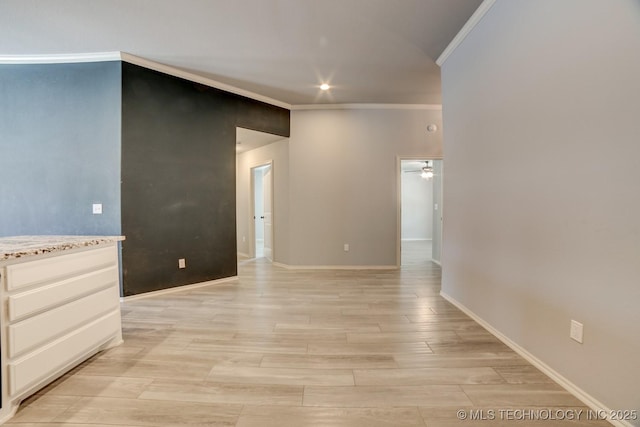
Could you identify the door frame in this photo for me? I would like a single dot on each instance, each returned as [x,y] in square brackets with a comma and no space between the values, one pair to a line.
[399,160]
[252,208]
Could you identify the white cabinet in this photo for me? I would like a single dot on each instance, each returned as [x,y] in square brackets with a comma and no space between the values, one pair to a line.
[58,310]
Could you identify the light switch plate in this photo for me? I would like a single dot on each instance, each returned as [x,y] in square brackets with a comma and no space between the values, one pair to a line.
[577,331]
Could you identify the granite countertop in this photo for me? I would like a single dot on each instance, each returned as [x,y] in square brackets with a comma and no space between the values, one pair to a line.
[24,246]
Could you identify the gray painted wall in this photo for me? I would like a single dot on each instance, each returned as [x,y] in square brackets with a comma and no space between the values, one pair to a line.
[541,192]
[60,145]
[343,182]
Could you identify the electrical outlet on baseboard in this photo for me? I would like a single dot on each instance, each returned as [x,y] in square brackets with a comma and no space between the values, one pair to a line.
[182,263]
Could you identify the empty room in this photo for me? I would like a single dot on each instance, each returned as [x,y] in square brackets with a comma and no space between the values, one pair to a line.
[302,213]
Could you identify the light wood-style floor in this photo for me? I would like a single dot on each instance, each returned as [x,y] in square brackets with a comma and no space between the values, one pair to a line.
[300,348]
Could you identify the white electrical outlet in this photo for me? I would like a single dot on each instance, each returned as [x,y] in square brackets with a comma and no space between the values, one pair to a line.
[244,239]
[97,208]
[346,247]
[182,263]
[577,331]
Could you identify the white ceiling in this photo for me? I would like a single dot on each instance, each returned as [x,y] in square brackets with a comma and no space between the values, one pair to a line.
[247,139]
[370,51]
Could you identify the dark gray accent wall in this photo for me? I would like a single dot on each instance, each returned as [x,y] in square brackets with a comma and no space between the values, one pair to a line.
[59,148]
[178,177]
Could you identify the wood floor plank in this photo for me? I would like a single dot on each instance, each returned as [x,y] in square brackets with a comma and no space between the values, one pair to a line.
[220,393]
[519,395]
[139,412]
[524,374]
[138,368]
[388,348]
[391,337]
[92,385]
[385,396]
[329,326]
[339,361]
[254,346]
[469,360]
[294,336]
[285,376]
[269,416]
[209,358]
[426,376]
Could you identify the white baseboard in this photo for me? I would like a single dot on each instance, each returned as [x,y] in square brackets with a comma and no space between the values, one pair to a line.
[242,254]
[416,240]
[336,267]
[178,289]
[576,391]
[435,261]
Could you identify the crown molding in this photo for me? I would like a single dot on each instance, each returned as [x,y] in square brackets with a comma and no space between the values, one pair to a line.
[60,58]
[435,107]
[465,30]
[176,72]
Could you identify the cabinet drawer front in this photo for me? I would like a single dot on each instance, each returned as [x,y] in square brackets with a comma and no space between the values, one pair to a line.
[33,301]
[43,328]
[48,361]
[59,267]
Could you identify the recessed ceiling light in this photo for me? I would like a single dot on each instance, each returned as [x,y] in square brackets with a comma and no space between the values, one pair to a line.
[324,86]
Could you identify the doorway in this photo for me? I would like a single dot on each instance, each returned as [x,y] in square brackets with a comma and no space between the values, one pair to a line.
[262,210]
[419,211]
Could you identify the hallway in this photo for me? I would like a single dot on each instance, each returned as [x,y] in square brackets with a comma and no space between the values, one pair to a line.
[294,348]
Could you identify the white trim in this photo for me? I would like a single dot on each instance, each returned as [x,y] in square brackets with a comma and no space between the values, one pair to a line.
[60,58]
[436,107]
[576,391]
[435,261]
[176,289]
[335,267]
[242,254]
[465,30]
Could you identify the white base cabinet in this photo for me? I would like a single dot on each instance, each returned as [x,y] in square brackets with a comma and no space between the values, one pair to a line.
[58,309]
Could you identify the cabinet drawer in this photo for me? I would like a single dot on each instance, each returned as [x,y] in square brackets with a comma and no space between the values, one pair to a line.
[43,328]
[33,301]
[48,361]
[58,267]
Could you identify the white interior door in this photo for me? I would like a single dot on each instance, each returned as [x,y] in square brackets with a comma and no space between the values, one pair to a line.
[267,185]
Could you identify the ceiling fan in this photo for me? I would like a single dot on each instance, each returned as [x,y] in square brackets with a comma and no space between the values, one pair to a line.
[425,171]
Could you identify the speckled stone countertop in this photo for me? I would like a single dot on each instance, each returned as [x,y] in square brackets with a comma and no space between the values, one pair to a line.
[25,246]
